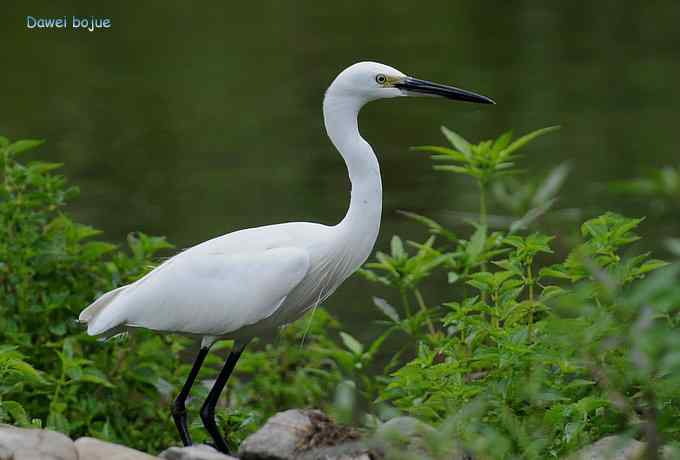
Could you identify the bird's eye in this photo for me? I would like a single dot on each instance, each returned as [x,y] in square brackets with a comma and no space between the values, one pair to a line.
[381,79]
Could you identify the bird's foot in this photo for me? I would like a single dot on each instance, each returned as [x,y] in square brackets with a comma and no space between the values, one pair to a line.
[224,449]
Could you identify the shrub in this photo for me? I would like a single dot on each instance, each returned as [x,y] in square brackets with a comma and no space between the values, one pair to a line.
[533,353]
[532,359]
[50,269]
[53,375]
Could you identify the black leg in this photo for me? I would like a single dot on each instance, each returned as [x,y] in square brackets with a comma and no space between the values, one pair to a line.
[179,411]
[208,408]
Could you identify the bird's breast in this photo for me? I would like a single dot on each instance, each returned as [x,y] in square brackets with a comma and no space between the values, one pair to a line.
[330,266]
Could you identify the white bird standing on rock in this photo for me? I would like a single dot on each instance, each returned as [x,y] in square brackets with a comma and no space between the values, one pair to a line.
[250,282]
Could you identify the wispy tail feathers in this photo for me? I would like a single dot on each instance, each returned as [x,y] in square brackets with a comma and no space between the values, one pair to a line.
[98,322]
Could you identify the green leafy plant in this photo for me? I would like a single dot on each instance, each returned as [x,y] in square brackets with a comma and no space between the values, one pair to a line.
[663,182]
[537,353]
[50,268]
[485,162]
[55,376]
[533,352]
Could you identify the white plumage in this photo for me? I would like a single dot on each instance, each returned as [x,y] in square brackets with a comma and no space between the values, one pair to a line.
[237,285]
[247,283]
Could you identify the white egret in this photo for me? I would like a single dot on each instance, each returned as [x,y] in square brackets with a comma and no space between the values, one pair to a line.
[250,282]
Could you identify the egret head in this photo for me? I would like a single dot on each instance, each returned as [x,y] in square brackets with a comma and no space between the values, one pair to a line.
[368,81]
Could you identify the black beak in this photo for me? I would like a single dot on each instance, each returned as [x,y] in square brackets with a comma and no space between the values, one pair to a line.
[415,85]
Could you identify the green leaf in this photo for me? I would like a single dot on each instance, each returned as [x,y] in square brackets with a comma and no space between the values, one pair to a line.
[504,165]
[387,309]
[373,277]
[58,328]
[578,383]
[650,265]
[515,241]
[445,153]
[524,140]
[94,375]
[377,343]
[551,185]
[28,372]
[476,244]
[516,313]
[531,215]
[551,291]
[351,343]
[512,265]
[589,404]
[433,226]
[480,286]
[553,273]
[24,145]
[96,249]
[456,140]
[17,412]
[42,167]
[57,422]
[502,141]
[453,169]
[397,248]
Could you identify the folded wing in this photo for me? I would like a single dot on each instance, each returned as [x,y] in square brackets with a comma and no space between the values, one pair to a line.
[203,293]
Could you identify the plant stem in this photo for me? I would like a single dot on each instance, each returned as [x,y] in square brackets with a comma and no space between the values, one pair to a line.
[482,219]
[405,302]
[494,317]
[57,389]
[482,203]
[651,433]
[421,304]
[121,358]
[530,281]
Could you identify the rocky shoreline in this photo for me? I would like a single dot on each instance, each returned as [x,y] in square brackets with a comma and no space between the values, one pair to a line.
[293,434]
[290,435]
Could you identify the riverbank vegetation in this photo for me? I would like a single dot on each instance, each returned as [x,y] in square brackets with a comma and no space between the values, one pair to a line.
[545,342]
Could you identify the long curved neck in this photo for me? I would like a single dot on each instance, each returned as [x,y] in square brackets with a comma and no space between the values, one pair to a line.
[363,217]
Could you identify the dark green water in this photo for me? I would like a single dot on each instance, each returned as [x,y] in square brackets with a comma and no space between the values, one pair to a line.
[193,119]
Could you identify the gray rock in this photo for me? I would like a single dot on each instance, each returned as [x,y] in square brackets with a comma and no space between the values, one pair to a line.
[612,448]
[33,444]
[292,434]
[95,449]
[621,448]
[670,453]
[408,437]
[278,439]
[346,451]
[197,452]
[405,427]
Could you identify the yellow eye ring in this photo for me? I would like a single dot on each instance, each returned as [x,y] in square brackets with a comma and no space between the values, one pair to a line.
[381,79]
